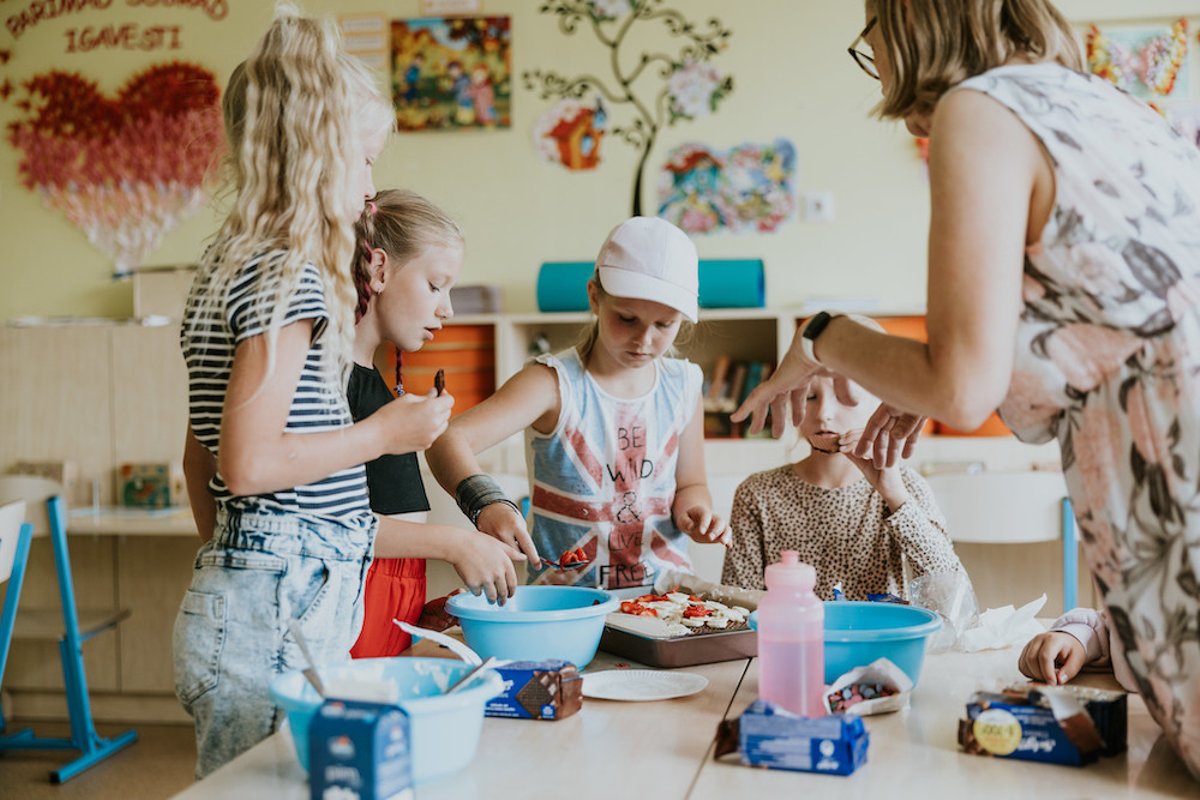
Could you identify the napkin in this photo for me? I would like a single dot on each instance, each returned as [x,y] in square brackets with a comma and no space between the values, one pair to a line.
[1003,627]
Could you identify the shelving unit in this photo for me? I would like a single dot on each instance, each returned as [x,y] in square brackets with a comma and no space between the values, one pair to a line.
[748,334]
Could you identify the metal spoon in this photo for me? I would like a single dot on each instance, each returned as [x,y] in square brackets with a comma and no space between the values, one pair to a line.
[309,672]
[469,678]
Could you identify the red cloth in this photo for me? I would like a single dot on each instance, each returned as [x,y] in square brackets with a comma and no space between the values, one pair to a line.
[395,588]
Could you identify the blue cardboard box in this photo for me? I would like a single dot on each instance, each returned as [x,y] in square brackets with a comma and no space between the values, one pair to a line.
[548,690]
[359,751]
[769,736]
[1069,725]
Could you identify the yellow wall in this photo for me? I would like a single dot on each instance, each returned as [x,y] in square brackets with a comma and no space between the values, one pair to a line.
[792,79]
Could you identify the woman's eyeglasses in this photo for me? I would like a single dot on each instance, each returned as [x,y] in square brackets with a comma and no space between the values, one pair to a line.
[862,53]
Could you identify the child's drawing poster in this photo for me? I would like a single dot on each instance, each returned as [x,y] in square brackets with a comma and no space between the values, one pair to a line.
[1148,62]
[452,73]
[747,188]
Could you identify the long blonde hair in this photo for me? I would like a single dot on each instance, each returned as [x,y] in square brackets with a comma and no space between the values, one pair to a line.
[294,114]
[932,45]
[402,224]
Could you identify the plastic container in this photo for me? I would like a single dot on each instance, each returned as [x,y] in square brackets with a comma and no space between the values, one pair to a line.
[537,623]
[445,728]
[858,633]
[790,638]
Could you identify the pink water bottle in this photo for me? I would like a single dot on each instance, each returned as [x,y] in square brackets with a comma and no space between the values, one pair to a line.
[791,638]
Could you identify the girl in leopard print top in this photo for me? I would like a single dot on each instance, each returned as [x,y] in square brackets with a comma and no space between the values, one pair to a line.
[857,525]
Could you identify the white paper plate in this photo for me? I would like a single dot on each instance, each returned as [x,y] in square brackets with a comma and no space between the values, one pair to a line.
[641,684]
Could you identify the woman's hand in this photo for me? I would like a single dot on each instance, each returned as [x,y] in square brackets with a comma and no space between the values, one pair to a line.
[703,526]
[889,432]
[1053,657]
[502,522]
[789,381]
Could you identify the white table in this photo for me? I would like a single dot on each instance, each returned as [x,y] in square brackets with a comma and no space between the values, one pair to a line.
[118,521]
[663,751]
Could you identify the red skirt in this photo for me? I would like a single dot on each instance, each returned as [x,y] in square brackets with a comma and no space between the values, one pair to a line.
[395,588]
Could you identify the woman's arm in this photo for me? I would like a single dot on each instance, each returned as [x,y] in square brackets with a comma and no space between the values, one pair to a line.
[527,399]
[199,467]
[692,506]
[984,165]
[257,455]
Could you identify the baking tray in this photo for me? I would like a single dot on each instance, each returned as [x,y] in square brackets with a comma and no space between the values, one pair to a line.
[680,651]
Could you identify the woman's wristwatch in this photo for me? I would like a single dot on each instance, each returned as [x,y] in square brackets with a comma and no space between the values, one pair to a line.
[811,330]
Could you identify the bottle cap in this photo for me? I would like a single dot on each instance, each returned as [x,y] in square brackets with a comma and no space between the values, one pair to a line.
[790,573]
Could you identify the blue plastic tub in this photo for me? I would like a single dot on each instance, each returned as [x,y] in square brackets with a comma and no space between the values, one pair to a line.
[537,623]
[857,633]
[445,729]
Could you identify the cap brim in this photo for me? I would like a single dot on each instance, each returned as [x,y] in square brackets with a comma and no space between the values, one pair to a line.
[636,285]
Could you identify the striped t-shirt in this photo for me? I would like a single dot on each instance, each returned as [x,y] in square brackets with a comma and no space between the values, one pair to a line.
[208,338]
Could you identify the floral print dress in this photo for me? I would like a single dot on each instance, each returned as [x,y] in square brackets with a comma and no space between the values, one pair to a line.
[1108,362]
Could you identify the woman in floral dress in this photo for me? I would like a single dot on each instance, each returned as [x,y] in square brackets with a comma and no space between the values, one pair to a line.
[1094,342]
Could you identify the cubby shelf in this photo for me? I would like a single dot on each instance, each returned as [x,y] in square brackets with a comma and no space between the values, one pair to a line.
[757,334]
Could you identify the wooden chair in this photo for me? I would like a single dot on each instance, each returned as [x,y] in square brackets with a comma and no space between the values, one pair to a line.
[46,513]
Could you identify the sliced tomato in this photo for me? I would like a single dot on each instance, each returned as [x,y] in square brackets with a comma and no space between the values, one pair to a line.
[637,609]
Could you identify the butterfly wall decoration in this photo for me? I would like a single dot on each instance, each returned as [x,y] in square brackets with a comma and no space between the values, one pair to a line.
[1144,62]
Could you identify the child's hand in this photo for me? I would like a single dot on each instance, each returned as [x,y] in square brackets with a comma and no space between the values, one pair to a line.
[435,617]
[887,480]
[705,527]
[1053,657]
[485,565]
[503,523]
[411,423]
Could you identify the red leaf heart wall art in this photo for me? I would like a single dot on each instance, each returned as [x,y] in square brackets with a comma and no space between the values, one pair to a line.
[123,170]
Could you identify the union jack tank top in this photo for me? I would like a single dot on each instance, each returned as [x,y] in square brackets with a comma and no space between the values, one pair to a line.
[604,479]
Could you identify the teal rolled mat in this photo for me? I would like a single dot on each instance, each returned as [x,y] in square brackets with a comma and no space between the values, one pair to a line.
[724,283]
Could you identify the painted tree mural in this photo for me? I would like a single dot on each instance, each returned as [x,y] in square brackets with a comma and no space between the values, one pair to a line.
[686,84]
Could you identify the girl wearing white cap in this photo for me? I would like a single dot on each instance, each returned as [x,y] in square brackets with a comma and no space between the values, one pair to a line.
[613,428]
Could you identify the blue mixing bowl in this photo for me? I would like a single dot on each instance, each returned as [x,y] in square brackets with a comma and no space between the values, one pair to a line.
[857,633]
[537,623]
[444,728]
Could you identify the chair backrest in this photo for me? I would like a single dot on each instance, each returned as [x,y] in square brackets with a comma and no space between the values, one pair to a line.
[12,517]
[1001,507]
[35,491]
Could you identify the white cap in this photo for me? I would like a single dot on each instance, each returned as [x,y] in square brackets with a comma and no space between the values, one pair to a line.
[648,258]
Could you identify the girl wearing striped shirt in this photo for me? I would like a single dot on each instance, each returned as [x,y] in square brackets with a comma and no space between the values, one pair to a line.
[272,459]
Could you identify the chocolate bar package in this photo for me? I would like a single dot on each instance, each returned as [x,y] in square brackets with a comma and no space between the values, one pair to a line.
[547,690]
[360,750]
[1072,725]
[768,736]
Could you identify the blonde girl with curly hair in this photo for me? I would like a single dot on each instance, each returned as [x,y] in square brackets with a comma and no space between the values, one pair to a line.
[1063,288]
[272,459]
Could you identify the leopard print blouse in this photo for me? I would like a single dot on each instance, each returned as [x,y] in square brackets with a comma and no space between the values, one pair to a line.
[847,534]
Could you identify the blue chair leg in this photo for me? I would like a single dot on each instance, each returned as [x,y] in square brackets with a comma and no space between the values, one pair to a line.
[1070,557]
[91,746]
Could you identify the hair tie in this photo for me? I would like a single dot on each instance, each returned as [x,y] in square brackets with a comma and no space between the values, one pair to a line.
[366,246]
